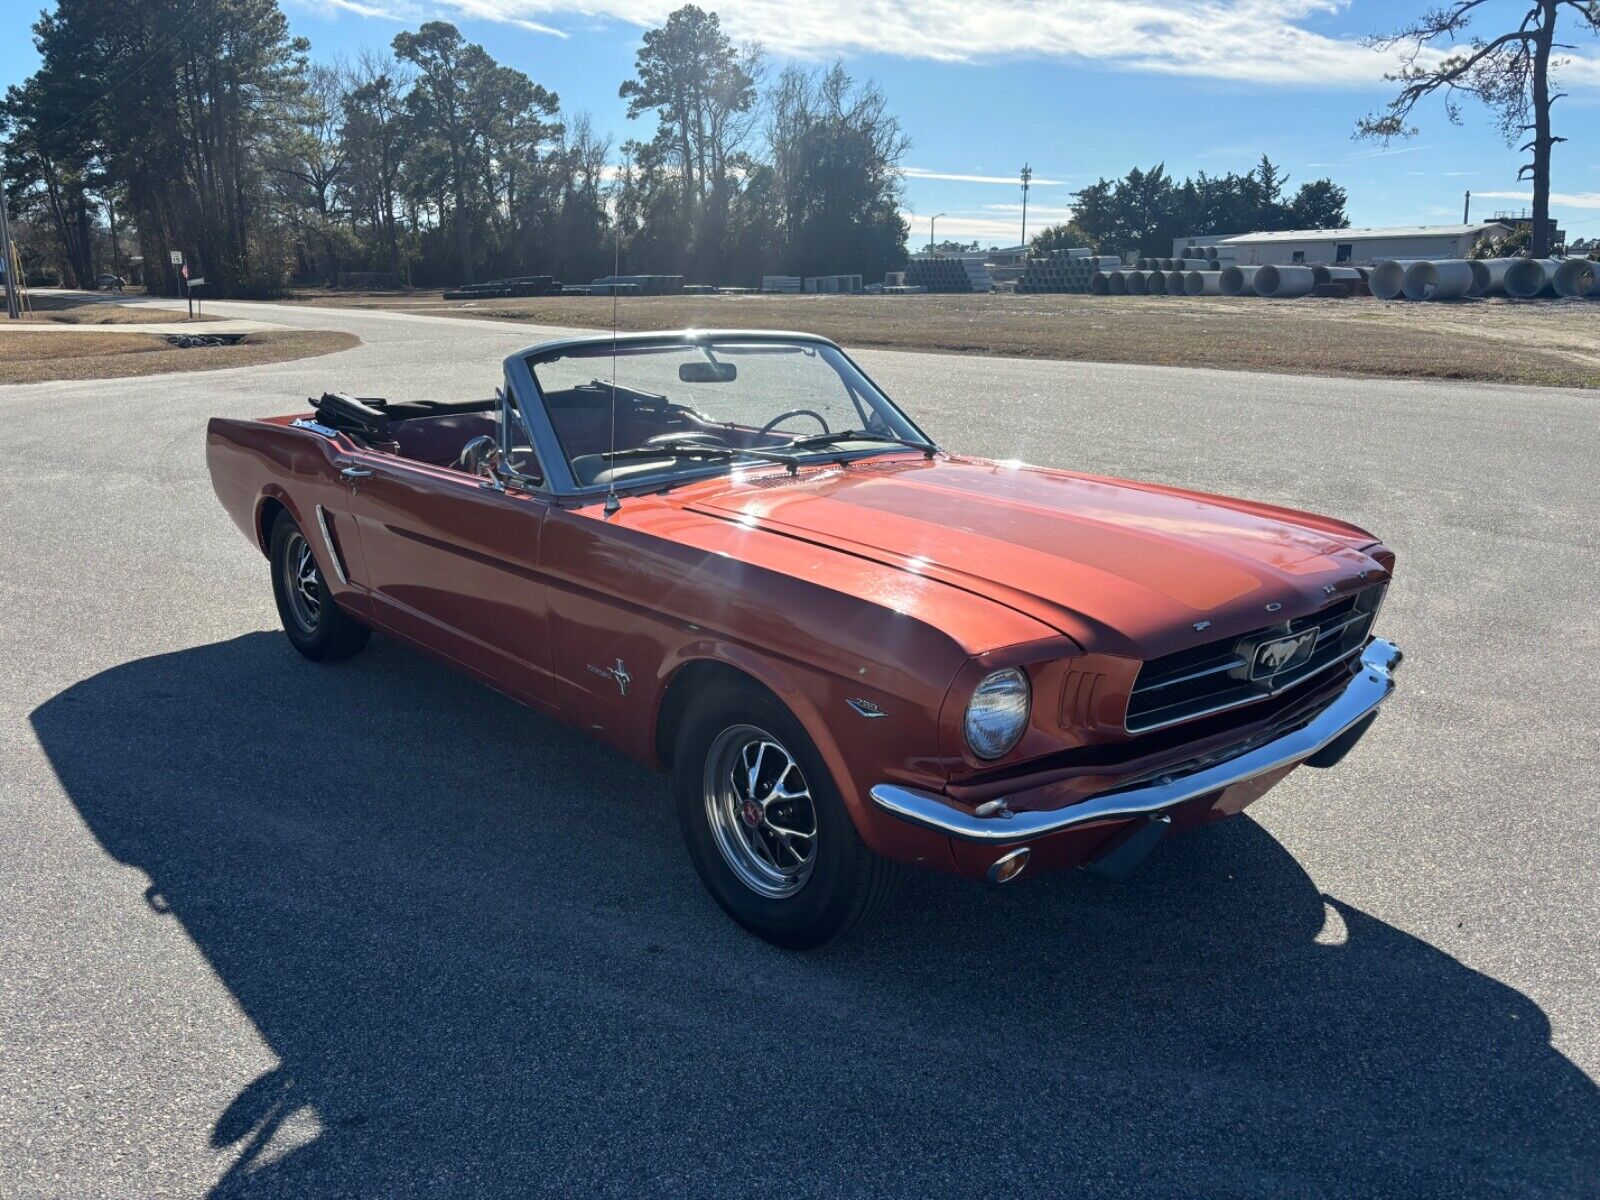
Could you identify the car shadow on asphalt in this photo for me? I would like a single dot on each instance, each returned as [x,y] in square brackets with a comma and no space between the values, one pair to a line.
[475,945]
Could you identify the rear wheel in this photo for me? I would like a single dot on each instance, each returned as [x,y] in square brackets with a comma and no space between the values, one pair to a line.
[316,626]
[764,823]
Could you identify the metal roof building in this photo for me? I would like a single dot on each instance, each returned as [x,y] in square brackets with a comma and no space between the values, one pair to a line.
[1346,245]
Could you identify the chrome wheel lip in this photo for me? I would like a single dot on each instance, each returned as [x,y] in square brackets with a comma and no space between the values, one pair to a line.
[759,807]
[302,583]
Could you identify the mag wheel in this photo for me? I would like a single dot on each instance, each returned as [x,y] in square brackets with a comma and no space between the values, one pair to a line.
[760,811]
[764,823]
[316,626]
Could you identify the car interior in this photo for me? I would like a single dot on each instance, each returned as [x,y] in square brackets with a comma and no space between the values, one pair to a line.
[437,432]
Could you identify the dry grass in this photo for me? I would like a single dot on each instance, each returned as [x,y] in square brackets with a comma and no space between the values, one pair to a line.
[36,357]
[80,310]
[1501,341]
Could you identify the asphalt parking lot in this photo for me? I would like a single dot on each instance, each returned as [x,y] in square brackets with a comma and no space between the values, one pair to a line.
[275,929]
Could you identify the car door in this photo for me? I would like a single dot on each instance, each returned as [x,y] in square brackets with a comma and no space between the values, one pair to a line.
[452,564]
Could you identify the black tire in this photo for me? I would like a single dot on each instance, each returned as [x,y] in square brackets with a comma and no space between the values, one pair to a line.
[845,883]
[315,625]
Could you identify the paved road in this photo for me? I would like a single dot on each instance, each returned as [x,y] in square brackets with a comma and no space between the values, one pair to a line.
[273,929]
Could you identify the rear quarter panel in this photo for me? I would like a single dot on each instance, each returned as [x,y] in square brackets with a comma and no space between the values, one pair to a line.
[256,464]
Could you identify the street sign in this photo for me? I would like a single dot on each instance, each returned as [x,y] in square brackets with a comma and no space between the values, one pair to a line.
[197,281]
[177,258]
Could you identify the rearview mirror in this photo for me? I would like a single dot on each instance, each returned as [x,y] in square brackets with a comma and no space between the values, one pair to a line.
[708,372]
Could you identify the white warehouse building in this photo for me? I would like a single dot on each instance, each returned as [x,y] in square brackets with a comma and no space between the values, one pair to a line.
[1333,246]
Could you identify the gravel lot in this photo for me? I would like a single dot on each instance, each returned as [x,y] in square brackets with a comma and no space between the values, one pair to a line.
[273,929]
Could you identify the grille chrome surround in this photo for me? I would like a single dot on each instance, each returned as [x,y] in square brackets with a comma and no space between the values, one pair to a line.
[1214,677]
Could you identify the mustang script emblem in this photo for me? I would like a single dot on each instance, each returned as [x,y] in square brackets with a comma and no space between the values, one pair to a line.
[618,673]
[1282,653]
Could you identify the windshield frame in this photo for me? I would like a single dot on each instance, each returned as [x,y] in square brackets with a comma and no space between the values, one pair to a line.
[519,369]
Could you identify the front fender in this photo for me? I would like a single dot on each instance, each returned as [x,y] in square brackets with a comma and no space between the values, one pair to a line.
[857,751]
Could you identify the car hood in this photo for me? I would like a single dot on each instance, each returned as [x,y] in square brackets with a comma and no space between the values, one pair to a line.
[1122,568]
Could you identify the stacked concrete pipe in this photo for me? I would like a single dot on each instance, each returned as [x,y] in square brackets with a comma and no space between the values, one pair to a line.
[1446,279]
[1117,283]
[1530,277]
[1202,283]
[1284,282]
[1238,281]
[1577,278]
[1156,283]
[1137,282]
[1100,284]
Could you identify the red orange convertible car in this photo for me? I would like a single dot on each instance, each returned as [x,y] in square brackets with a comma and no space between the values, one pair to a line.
[731,555]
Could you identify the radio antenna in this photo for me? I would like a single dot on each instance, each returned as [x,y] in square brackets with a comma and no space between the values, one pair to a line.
[612,503]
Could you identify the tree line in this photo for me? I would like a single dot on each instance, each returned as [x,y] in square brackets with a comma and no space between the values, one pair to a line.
[204,126]
[1146,210]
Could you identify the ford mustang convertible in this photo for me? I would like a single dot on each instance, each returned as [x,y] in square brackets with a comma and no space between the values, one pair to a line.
[731,556]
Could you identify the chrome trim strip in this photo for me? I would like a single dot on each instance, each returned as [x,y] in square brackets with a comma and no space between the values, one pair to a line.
[1364,693]
[333,551]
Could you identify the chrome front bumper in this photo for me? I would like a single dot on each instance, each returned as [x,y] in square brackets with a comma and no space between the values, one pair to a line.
[1359,700]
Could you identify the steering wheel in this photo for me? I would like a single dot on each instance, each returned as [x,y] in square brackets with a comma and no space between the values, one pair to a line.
[686,435]
[793,412]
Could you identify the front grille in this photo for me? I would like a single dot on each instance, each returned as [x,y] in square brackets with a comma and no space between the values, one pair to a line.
[1213,677]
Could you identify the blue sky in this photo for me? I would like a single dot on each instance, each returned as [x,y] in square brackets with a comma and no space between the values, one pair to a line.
[1077,88]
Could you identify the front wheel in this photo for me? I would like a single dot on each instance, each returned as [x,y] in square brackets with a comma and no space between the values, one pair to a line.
[317,627]
[765,826]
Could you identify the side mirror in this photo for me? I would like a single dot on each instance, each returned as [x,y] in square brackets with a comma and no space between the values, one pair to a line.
[707,372]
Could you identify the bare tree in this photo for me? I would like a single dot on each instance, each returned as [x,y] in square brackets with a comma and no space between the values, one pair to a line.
[1509,72]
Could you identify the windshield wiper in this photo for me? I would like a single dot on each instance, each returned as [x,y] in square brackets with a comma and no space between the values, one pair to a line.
[705,453]
[817,440]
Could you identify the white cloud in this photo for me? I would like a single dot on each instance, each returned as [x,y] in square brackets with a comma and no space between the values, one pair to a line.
[1256,41]
[1558,199]
[923,173]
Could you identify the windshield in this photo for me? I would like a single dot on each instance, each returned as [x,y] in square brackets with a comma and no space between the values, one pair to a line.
[686,406]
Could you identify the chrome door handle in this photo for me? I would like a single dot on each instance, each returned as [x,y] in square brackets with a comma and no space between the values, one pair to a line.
[355,473]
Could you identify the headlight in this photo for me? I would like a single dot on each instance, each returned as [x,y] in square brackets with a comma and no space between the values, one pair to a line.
[998,712]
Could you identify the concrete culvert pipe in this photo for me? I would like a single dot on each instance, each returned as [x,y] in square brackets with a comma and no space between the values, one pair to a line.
[1577,277]
[1136,283]
[1202,283]
[1326,275]
[1099,284]
[1155,283]
[1117,283]
[1237,281]
[1530,277]
[1284,282]
[1446,279]
[1489,275]
[1388,280]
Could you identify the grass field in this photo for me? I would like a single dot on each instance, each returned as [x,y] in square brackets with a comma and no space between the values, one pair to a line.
[36,357]
[1503,341]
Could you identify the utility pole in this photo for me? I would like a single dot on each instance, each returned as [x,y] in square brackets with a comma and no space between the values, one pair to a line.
[12,310]
[931,221]
[1027,176]
[1466,212]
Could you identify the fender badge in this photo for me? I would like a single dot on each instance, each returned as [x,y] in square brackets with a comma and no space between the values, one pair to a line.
[867,708]
[1274,606]
[618,674]
[1201,626]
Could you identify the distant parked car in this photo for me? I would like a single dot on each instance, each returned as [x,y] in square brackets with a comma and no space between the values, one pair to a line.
[110,283]
[852,648]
